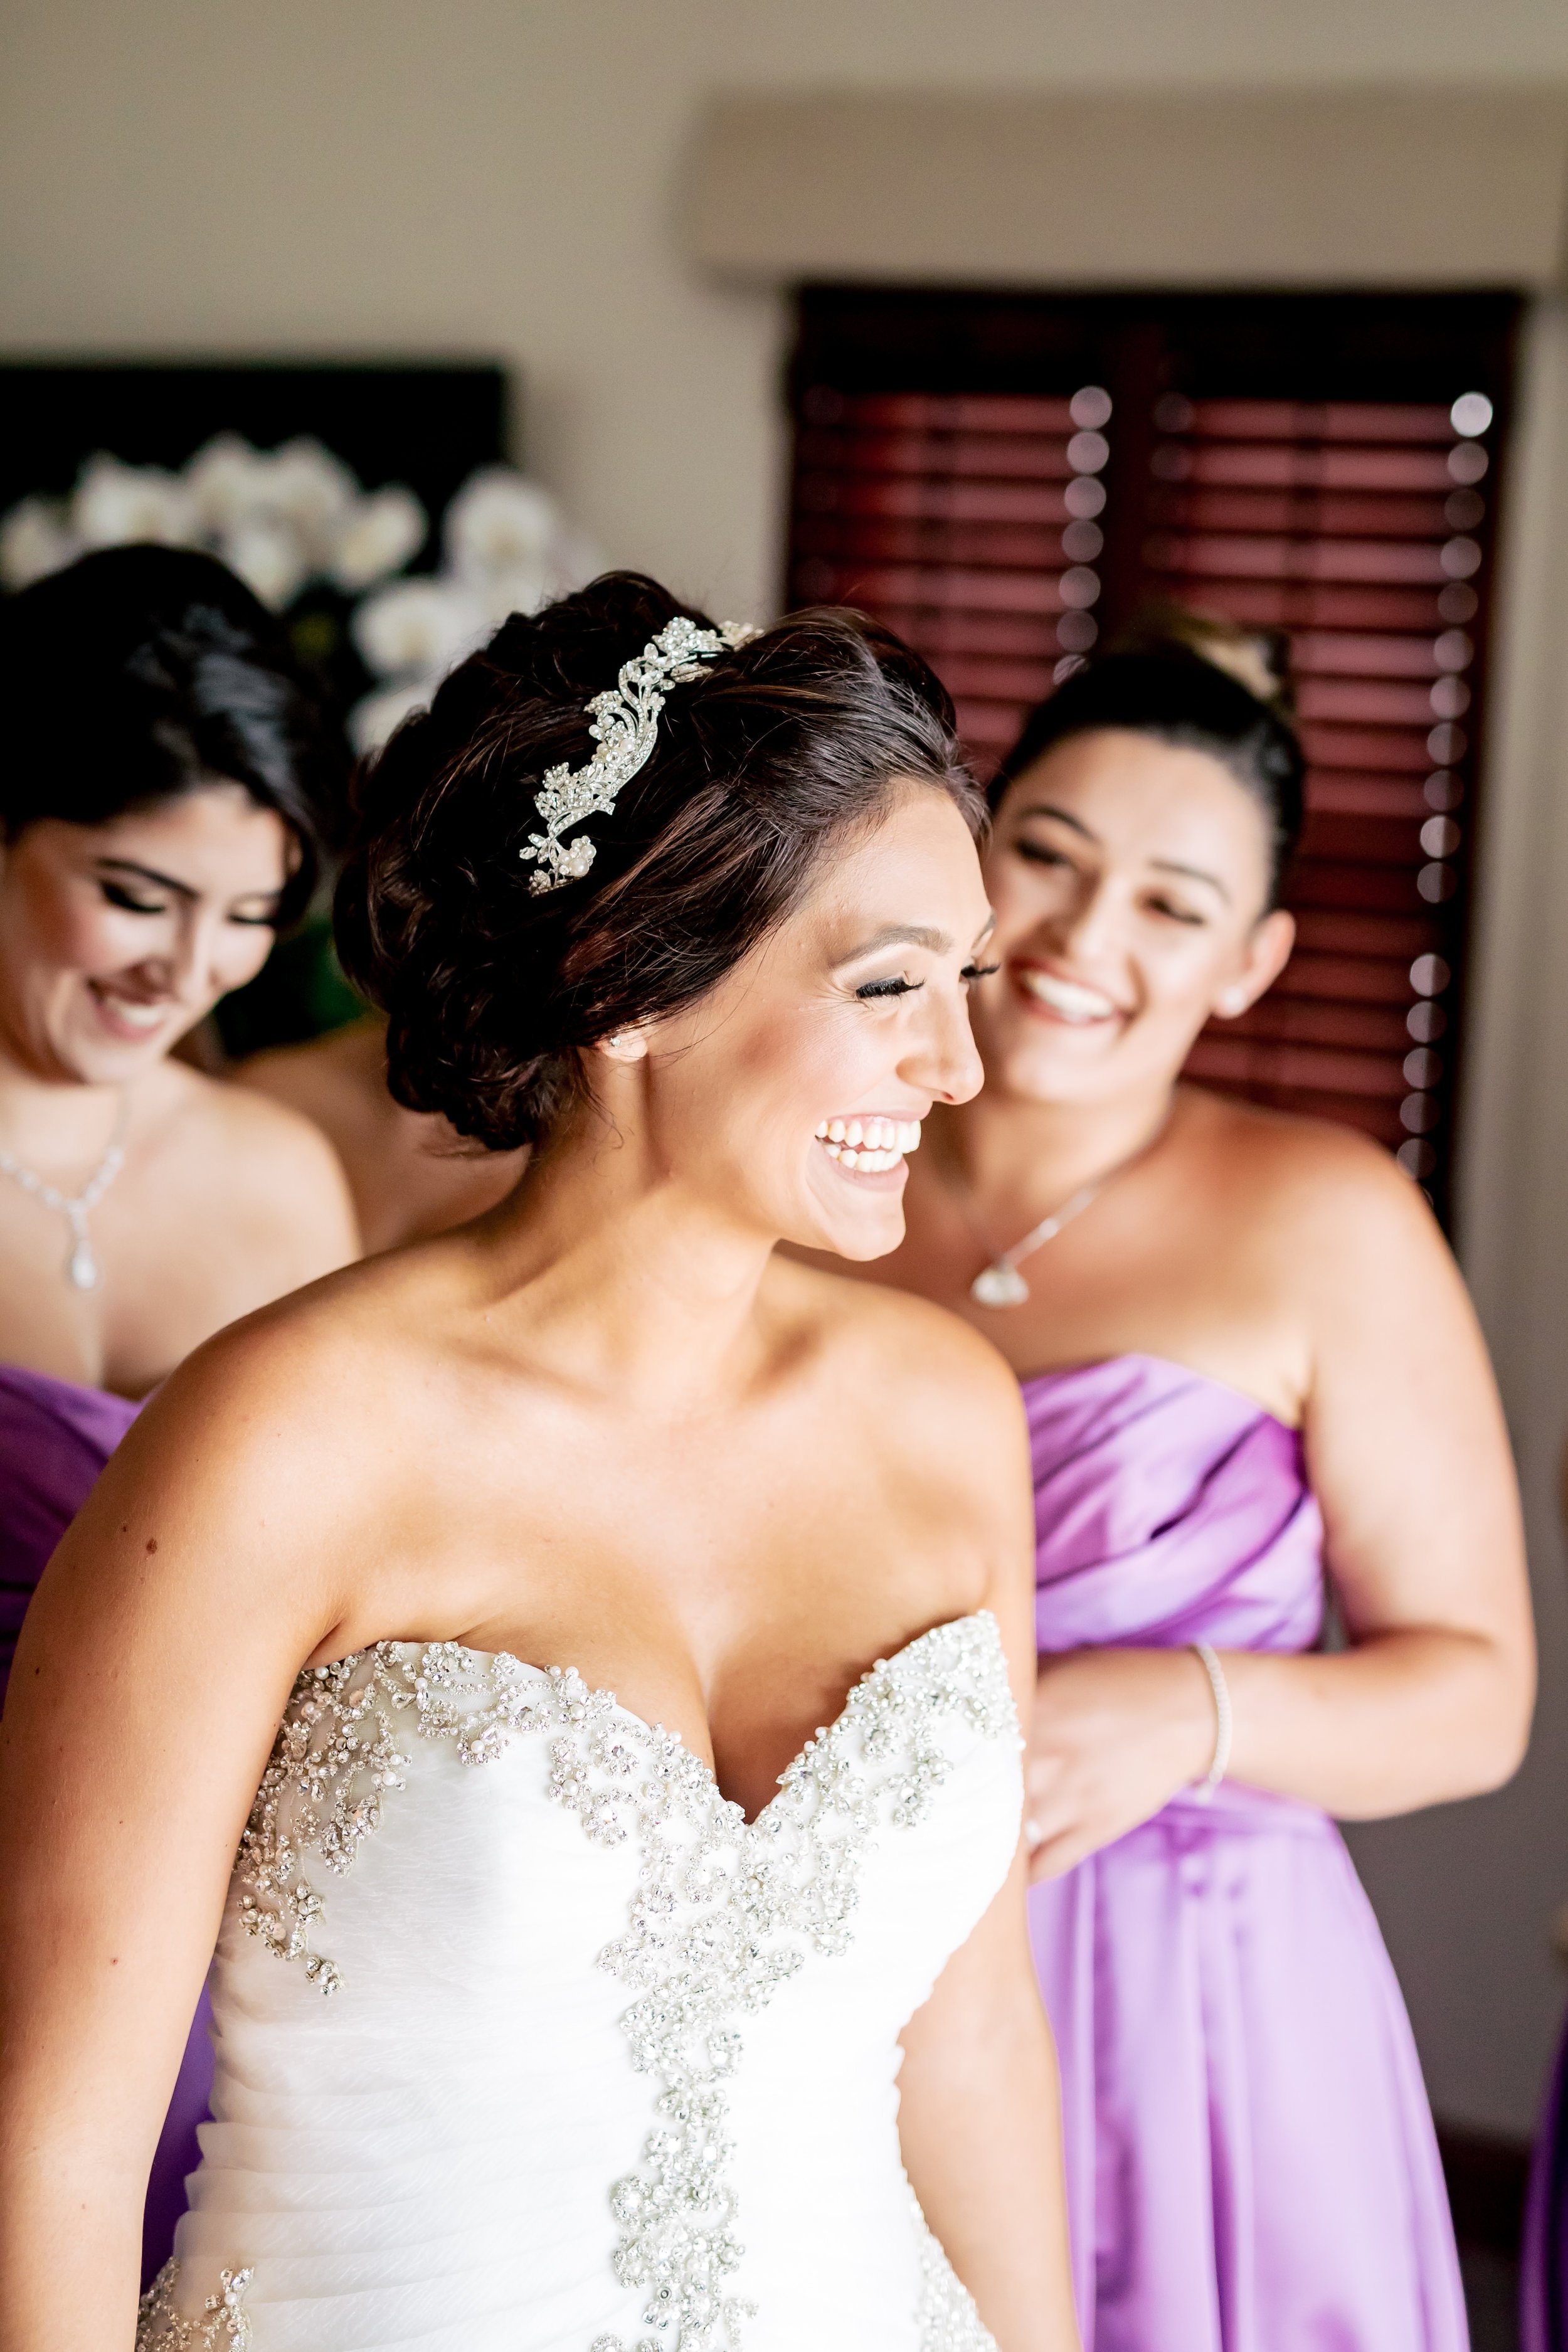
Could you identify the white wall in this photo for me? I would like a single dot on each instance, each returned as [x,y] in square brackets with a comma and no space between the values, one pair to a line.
[502,178]
[1467,1894]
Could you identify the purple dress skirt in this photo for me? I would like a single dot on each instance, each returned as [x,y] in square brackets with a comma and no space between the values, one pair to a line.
[1543,2269]
[55,1438]
[1250,2159]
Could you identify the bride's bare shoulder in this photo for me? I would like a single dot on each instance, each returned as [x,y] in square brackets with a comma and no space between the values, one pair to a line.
[923,1369]
[319,1374]
[269,1475]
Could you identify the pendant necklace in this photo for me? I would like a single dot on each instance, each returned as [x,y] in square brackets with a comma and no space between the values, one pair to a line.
[1000,1284]
[83,1270]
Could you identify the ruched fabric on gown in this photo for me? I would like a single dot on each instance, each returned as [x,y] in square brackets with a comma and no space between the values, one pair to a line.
[1251,2162]
[528,2043]
[55,1438]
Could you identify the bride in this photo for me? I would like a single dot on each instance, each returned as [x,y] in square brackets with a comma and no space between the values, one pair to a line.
[630,1897]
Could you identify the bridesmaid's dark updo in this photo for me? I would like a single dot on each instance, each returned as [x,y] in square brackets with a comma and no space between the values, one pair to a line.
[138,675]
[493,991]
[1183,698]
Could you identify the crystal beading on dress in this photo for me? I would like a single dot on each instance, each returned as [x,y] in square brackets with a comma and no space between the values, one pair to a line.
[724,1911]
[222,2321]
[623,724]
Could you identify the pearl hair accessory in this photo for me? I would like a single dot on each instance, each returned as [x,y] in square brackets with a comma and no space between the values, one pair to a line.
[623,722]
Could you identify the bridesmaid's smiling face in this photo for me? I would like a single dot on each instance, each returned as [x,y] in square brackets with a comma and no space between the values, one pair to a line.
[1131,879]
[116,939]
[789,1095]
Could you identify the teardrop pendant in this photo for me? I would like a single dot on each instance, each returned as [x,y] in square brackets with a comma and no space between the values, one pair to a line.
[81,1266]
[999,1286]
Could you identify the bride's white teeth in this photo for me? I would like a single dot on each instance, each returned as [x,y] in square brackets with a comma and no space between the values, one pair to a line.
[871,1145]
[1067,998]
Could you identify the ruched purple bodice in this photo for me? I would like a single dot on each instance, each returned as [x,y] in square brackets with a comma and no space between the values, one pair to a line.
[1169,1509]
[1251,2163]
[55,1438]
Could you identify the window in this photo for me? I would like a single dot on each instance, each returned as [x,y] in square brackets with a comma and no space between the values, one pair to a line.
[1008,481]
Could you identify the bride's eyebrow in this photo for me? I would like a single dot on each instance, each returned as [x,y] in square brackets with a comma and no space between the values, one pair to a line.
[900,935]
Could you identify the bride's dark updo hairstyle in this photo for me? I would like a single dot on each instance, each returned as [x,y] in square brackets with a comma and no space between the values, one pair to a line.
[1179,696]
[493,991]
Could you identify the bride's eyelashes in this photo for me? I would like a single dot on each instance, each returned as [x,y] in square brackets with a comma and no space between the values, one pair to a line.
[871,990]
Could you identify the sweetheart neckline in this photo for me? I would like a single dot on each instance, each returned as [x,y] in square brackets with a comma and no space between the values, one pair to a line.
[878,1666]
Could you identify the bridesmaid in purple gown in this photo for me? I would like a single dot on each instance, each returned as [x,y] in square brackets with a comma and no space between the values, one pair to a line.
[55,1438]
[156,825]
[1543,2270]
[1250,1373]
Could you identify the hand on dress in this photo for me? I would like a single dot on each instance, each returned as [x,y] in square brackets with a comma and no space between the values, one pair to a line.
[1116,1734]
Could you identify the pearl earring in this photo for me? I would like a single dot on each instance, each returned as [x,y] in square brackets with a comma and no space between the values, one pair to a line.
[1233,1000]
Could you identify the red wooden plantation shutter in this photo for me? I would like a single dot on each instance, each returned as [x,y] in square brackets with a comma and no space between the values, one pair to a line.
[1007,483]
[1351,525]
[968,524]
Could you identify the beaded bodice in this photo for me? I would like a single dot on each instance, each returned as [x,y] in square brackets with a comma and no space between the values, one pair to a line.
[472,1886]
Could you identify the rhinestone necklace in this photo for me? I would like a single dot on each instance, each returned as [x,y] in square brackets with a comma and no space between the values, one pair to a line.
[83,1270]
[1000,1284]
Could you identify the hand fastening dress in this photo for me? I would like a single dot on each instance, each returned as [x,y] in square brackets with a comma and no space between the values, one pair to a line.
[528,2041]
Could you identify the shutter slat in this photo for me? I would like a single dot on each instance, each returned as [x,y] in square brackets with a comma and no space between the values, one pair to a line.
[974,521]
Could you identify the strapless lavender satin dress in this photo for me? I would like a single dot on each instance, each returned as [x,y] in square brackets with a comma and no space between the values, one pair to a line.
[1251,2162]
[55,1438]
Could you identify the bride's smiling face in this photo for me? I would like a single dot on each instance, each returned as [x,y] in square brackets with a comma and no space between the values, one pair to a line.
[790,1095]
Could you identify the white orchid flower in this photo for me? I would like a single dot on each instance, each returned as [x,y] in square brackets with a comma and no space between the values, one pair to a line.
[522,588]
[227,480]
[34,542]
[113,504]
[377,537]
[375,717]
[500,522]
[418,627]
[269,557]
[316,493]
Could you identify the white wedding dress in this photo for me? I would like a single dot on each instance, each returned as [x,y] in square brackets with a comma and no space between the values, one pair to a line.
[528,2043]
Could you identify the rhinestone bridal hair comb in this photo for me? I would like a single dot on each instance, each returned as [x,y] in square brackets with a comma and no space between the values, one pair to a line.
[623,722]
